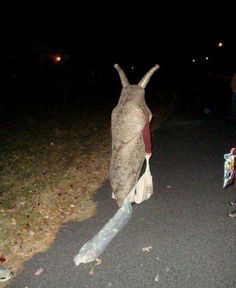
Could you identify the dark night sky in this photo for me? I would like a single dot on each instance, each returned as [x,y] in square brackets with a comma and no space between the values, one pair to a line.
[97,36]
[101,36]
[133,36]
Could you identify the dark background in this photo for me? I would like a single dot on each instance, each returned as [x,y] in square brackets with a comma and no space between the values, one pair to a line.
[91,40]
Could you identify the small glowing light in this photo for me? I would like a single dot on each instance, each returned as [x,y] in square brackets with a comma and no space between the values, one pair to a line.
[220,44]
[58,58]
[207,58]
[193,60]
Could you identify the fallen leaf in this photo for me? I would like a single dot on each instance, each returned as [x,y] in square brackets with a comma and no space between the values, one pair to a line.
[13,221]
[31,233]
[2,259]
[147,249]
[91,272]
[157,278]
[38,272]
[99,261]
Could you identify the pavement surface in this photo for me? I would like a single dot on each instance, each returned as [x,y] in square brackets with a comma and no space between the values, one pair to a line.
[191,240]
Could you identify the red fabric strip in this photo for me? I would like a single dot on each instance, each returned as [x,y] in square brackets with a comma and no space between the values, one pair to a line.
[147,138]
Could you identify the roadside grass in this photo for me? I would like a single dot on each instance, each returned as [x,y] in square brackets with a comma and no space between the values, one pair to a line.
[50,167]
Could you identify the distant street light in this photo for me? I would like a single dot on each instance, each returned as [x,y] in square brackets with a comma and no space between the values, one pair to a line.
[58,58]
[193,60]
[220,44]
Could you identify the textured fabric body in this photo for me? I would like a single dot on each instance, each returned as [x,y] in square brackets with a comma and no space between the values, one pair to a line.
[128,151]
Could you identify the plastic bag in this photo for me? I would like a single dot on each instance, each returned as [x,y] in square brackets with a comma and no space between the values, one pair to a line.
[229,168]
[94,247]
[143,189]
[5,274]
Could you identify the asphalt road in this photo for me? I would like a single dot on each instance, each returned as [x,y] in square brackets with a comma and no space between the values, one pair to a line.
[192,240]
